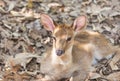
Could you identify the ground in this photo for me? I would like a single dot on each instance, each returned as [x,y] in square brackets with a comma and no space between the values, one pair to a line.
[22,32]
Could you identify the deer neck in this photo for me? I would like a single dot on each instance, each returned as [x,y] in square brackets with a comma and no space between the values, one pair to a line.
[65,59]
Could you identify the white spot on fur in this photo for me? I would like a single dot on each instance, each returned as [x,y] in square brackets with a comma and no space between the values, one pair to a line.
[93,33]
[88,47]
[96,55]
[95,52]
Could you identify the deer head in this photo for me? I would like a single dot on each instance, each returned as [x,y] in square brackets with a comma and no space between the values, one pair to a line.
[63,35]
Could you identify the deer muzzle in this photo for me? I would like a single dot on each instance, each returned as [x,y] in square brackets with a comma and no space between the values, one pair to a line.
[59,52]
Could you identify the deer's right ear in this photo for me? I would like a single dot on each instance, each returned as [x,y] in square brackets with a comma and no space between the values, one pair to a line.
[47,22]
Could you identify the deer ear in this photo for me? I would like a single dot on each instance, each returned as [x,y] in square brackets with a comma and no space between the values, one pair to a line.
[47,22]
[79,23]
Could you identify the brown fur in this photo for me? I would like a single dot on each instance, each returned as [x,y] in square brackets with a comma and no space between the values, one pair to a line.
[80,53]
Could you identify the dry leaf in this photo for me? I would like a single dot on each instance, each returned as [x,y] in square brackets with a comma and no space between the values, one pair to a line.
[20,59]
[54,5]
[11,4]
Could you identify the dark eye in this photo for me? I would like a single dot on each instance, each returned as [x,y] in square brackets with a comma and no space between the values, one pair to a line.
[68,39]
[54,38]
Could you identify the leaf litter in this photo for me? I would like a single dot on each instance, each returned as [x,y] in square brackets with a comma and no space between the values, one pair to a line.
[22,33]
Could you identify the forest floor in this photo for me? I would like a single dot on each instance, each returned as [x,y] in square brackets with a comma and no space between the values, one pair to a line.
[21,31]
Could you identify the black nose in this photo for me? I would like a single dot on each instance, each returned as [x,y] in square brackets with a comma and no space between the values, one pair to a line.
[59,52]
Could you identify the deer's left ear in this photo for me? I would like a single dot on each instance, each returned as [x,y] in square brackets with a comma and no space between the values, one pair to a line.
[79,23]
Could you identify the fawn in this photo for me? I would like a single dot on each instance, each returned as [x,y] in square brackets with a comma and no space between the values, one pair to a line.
[74,50]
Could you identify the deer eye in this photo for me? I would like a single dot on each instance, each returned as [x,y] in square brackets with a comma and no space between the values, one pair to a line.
[53,38]
[68,39]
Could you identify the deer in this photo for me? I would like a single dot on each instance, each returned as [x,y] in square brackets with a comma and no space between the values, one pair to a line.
[74,51]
